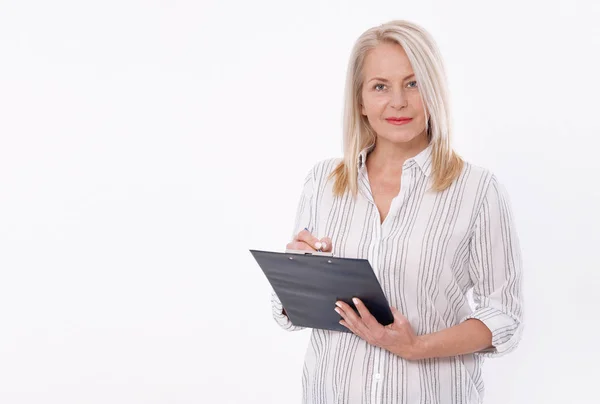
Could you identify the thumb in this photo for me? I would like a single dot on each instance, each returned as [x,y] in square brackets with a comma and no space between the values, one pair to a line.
[398,317]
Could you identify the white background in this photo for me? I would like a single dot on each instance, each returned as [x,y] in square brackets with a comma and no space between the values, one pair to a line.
[145,146]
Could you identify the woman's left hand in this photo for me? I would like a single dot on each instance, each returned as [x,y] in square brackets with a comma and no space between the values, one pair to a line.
[398,337]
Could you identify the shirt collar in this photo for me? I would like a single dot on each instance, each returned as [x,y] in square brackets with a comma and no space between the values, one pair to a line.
[422,160]
[362,157]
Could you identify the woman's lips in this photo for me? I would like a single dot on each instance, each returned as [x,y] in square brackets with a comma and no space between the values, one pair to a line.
[396,121]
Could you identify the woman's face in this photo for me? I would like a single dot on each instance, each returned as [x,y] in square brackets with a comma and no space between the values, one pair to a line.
[390,91]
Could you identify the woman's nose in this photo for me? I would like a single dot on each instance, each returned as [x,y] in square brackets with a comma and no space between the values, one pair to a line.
[398,99]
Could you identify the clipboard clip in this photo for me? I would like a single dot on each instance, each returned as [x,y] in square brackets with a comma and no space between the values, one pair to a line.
[304,252]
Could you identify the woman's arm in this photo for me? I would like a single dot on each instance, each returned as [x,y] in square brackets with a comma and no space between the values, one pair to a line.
[494,328]
[495,266]
[399,337]
[304,219]
[464,338]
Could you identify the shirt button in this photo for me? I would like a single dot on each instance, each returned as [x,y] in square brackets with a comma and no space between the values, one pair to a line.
[377,376]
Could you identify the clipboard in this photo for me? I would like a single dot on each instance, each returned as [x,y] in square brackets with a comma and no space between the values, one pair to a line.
[309,283]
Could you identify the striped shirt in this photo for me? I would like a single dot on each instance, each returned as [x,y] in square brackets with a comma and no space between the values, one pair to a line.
[440,257]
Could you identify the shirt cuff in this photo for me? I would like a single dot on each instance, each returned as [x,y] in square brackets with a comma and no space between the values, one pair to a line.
[281,319]
[506,331]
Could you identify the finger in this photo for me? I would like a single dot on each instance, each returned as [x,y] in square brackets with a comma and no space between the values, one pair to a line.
[365,314]
[348,326]
[299,245]
[309,239]
[353,329]
[350,316]
[399,317]
[400,321]
[326,244]
[346,312]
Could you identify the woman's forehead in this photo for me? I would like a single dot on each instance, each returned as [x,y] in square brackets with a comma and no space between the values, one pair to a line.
[388,61]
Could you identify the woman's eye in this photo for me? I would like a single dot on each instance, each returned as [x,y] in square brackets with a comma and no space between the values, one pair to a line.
[414,83]
[376,87]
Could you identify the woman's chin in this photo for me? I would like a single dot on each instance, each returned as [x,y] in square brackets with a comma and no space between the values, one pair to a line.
[407,137]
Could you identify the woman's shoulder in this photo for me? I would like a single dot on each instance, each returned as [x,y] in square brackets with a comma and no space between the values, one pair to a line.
[320,173]
[470,168]
[478,175]
[323,168]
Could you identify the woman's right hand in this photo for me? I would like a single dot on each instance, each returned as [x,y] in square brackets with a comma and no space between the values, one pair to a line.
[307,242]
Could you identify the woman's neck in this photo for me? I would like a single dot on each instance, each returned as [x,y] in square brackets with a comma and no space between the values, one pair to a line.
[387,158]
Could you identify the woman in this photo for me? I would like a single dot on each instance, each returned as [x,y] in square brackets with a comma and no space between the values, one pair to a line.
[434,228]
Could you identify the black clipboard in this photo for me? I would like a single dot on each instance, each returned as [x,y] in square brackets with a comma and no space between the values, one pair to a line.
[309,284]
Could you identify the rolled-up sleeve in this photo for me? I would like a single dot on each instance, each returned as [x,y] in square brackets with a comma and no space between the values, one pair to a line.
[495,267]
[304,219]
[281,319]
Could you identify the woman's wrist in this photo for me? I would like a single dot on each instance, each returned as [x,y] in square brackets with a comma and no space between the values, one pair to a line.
[417,350]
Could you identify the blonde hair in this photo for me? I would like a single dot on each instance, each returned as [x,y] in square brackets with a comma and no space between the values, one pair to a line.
[426,61]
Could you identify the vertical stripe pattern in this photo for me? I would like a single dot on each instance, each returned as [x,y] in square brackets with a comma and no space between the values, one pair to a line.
[431,252]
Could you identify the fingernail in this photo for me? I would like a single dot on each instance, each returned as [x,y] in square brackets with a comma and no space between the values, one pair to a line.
[318,245]
[337,310]
[338,304]
[355,300]
[324,245]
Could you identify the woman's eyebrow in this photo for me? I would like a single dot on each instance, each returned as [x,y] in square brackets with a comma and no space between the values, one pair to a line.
[387,81]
